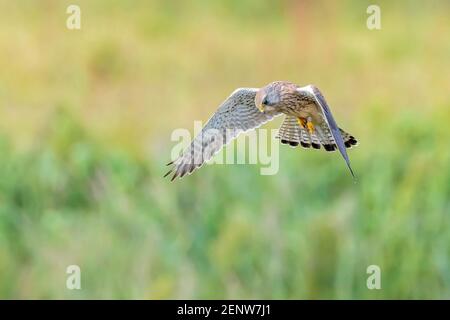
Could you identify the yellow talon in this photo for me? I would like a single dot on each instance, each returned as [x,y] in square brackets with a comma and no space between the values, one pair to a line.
[302,122]
[310,127]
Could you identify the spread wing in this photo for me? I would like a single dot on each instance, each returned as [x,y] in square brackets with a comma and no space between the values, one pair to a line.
[325,110]
[235,115]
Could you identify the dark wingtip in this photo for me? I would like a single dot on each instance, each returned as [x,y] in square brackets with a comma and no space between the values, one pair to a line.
[170,163]
[284,141]
[355,180]
[315,145]
[167,174]
[347,161]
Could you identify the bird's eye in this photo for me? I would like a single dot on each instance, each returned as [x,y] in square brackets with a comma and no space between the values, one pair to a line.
[265,102]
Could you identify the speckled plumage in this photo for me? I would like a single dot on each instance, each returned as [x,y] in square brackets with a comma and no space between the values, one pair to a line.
[249,108]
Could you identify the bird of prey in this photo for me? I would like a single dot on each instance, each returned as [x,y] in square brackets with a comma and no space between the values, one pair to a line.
[308,122]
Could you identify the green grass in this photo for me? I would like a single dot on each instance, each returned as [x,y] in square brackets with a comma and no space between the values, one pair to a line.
[85,133]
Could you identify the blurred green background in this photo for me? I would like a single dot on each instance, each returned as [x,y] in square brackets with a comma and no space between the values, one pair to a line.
[86,118]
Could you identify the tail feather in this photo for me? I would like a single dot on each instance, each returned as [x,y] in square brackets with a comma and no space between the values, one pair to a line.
[293,134]
[349,140]
[315,141]
[305,140]
[289,132]
[327,139]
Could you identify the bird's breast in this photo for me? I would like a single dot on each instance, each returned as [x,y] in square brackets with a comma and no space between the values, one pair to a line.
[300,109]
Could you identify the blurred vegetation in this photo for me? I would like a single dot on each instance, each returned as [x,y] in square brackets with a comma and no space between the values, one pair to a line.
[85,133]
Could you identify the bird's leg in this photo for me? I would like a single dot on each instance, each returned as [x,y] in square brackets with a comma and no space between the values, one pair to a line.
[302,122]
[310,125]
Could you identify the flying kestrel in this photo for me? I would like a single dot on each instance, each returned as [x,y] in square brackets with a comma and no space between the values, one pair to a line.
[308,122]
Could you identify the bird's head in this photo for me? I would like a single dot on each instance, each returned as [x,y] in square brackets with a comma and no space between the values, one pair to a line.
[270,97]
[267,98]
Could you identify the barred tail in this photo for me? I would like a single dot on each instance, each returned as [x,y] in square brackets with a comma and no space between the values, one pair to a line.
[349,140]
[327,140]
[293,134]
[289,132]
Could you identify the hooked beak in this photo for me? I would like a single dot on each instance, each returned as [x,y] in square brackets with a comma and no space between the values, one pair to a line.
[263,104]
